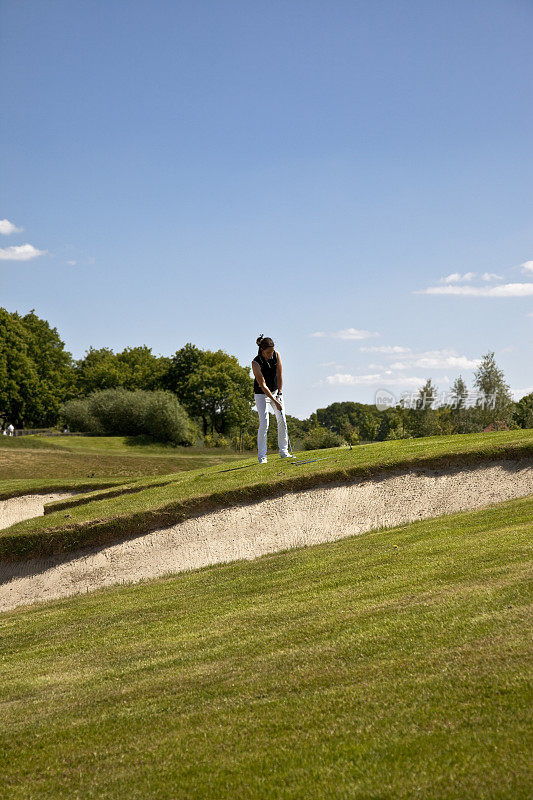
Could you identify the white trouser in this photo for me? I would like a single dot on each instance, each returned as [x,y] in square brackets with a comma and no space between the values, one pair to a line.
[264,404]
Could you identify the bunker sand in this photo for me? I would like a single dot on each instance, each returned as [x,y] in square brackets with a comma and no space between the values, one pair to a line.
[249,530]
[26,506]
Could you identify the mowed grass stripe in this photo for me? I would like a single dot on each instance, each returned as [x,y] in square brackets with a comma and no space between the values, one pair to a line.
[197,491]
[366,456]
[392,665]
[50,459]
[17,487]
[143,465]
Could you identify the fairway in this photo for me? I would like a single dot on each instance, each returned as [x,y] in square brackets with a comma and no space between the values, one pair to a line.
[97,460]
[389,665]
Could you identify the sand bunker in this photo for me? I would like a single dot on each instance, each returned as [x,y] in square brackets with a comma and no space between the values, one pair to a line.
[250,530]
[16,509]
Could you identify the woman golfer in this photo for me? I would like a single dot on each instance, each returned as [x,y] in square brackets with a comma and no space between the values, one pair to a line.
[268,379]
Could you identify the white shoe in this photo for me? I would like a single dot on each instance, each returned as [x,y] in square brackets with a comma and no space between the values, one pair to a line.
[262,461]
[286,455]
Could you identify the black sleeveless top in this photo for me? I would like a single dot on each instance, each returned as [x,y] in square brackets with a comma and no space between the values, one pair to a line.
[268,368]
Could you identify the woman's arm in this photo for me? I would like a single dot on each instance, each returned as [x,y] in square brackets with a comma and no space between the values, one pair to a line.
[256,369]
[279,374]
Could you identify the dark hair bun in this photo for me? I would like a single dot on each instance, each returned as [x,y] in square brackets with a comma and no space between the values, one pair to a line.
[259,339]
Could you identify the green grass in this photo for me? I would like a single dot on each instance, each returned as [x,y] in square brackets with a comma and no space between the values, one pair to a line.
[392,665]
[95,460]
[151,503]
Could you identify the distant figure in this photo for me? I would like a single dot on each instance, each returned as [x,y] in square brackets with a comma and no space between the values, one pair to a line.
[10,430]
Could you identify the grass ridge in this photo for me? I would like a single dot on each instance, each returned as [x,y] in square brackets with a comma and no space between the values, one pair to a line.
[58,486]
[102,494]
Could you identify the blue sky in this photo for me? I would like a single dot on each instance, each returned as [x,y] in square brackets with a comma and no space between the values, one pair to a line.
[353,179]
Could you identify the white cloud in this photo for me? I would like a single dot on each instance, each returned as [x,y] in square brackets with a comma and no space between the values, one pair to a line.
[7,227]
[518,394]
[436,359]
[72,263]
[503,290]
[332,365]
[348,333]
[491,276]
[22,252]
[527,266]
[456,277]
[385,348]
[352,380]
[374,380]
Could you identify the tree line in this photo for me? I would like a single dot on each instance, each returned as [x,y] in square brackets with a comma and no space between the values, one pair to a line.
[207,396]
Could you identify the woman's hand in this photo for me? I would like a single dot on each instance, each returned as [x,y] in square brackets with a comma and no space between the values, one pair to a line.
[261,381]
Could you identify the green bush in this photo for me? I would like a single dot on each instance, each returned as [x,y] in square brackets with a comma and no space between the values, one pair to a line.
[523,412]
[320,437]
[247,441]
[216,440]
[119,412]
[77,415]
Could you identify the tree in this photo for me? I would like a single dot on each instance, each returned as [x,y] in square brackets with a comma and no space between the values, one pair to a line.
[394,423]
[495,401]
[181,366]
[213,387]
[426,395]
[133,368]
[423,419]
[350,420]
[18,375]
[367,425]
[36,373]
[141,369]
[99,369]
[459,393]
[523,411]
[460,416]
[320,437]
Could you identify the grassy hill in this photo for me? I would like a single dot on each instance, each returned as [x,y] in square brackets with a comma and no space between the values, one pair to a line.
[147,504]
[105,458]
[389,665]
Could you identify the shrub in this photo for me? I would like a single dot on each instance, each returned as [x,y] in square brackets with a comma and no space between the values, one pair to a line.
[320,437]
[167,420]
[244,440]
[119,412]
[216,440]
[77,415]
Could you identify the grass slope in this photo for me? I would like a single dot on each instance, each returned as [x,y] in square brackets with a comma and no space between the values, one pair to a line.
[149,504]
[48,459]
[391,665]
